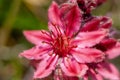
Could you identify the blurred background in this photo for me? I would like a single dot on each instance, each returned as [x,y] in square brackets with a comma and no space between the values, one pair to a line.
[19,15]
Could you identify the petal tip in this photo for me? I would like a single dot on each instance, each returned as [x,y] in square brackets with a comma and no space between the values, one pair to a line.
[26,32]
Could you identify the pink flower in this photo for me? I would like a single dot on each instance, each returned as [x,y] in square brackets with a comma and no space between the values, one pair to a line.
[64,49]
[109,46]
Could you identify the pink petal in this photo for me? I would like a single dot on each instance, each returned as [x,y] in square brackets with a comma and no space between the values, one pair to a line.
[64,8]
[36,52]
[109,71]
[99,2]
[94,75]
[89,39]
[97,23]
[106,22]
[37,37]
[85,77]
[35,63]
[113,52]
[53,14]
[108,43]
[91,25]
[72,68]
[46,66]
[55,23]
[72,20]
[88,55]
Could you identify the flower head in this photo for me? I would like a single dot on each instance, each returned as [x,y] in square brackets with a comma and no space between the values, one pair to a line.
[69,45]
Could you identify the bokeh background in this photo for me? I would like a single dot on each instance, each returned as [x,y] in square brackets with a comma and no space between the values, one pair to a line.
[19,15]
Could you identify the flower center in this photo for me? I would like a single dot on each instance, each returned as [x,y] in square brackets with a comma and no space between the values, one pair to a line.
[62,46]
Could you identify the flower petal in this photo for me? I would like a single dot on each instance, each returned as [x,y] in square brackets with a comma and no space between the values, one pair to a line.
[114,52]
[64,8]
[89,39]
[99,2]
[88,55]
[94,76]
[37,37]
[72,20]
[53,14]
[108,43]
[36,52]
[106,22]
[72,68]
[55,24]
[85,77]
[91,25]
[109,71]
[46,66]
[97,23]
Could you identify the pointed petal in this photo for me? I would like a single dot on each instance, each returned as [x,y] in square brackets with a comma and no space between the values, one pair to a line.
[72,20]
[64,8]
[53,14]
[91,25]
[37,36]
[97,23]
[72,68]
[46,66]
[114,52]
[36,52]
[108,43]
[99,2]
[55,24]
[109,71]
[106,22]
[95,76]
[89,39]
[88,55]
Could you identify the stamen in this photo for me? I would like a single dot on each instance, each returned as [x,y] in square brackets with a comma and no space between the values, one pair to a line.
[59,30]
[52,33]
[47,34]
[47,42]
